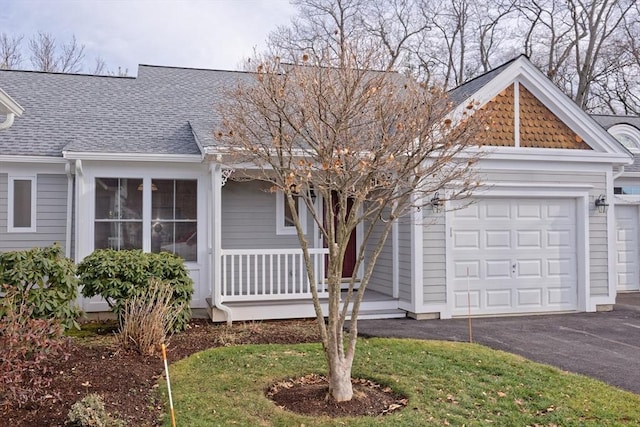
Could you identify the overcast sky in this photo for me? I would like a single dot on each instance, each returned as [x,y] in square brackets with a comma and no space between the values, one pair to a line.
[183,33]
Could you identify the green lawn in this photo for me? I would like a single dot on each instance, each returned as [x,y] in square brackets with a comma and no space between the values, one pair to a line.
[446,383]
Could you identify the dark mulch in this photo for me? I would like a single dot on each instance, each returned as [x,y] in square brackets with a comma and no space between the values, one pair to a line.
[128,382]
[308,395]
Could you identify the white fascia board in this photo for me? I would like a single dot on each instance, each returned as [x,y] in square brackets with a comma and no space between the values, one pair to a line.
[32,159]
[630,175]
[559,155]
[545,155]
[523,71]
[8,105]
[134,157]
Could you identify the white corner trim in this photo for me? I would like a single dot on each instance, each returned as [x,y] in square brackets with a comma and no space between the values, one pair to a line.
[417,262]
[611,238]
[11,200]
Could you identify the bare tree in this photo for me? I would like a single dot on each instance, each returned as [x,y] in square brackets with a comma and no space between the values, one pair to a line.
[10,54]
[373,146]
[45,55]
[570,40]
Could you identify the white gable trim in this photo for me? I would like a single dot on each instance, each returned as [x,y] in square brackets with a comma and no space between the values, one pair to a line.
[8,105]
[523,71]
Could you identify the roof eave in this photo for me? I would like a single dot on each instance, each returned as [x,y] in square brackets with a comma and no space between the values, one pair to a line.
[133,157]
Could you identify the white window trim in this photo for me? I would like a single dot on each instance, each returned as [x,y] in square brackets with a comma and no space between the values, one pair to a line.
[632,134]
[10,202]
[282,229]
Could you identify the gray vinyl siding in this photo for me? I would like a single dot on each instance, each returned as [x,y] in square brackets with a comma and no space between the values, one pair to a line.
[598,255]
[434,259]
[405,255]
[51,214]
[249,218]
[382,276]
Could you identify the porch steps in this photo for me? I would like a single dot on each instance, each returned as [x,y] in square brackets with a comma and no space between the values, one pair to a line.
[374,306]
[382,314]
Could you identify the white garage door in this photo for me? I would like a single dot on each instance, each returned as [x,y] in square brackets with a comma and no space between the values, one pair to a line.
[520,256]
[627,244]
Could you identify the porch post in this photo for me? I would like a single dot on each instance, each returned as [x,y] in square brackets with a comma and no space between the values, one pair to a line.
[216,229]
[217,182]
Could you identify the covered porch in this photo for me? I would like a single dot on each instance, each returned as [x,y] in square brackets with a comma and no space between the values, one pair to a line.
[257,266]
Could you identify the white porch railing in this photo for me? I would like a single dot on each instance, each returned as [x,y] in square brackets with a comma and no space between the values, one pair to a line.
[269,274]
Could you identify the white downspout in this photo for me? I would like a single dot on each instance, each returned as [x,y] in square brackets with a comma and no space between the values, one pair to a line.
[617,175]
[8,121]
[215,260]
[67,245]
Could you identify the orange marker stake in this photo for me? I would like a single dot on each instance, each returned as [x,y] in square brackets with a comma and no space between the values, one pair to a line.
[166,370]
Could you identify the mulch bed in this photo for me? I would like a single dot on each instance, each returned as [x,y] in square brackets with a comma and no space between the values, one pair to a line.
[128,382]
[307,395]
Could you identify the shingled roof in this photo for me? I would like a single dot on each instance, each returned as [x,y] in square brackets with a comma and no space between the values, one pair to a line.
[156,112]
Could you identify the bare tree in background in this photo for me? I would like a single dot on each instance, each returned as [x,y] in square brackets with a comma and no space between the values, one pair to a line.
[373,146]
[10,54]
[45,55]
[571,40]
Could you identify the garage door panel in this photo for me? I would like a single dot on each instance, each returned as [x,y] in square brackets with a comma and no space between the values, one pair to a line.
[497,239]
[529,268]
[497,269]
[531,298]
[560,239]
[559,296]
[521,256]
[461,272]
[528,210]
[461,299]
[529,238]
[498,299]
[498,210]
[627,248]
[466,239]
[560,267]
[559,211]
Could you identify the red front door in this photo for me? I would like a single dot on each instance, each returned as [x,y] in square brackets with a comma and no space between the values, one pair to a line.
[349,262]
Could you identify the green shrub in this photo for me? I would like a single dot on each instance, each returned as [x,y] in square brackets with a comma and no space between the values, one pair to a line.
[25,344]
[117,276]
[46,278]
[90,412]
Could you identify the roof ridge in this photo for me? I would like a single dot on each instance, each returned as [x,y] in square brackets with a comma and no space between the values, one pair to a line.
[58,73]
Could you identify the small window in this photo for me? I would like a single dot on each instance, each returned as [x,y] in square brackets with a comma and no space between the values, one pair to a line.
[21,215]
[628,190]
[284,215]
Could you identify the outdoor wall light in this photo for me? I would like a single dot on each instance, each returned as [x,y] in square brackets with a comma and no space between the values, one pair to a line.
[601,204]
[436,203]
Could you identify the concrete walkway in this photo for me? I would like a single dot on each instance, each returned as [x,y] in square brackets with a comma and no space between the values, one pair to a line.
[604,345]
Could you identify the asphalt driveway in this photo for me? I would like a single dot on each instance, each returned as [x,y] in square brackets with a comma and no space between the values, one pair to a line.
[602,345]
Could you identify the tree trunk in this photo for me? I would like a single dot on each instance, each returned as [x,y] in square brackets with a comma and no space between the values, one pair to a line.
[340,387]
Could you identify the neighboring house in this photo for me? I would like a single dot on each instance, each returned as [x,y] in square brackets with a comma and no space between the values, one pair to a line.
[120,163]
[626,188]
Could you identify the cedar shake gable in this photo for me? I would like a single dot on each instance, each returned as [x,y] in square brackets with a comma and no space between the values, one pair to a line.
[536,126]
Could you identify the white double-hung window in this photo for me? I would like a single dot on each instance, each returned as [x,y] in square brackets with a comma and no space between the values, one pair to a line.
[21,214]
